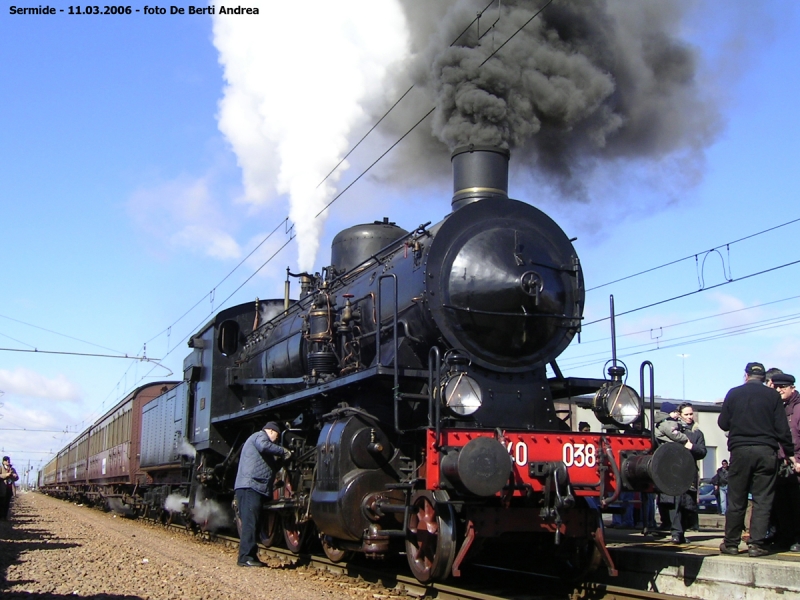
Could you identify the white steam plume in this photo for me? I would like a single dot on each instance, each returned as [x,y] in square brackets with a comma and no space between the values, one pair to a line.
[175,503]
[211,515]
[296,78]
[184,448]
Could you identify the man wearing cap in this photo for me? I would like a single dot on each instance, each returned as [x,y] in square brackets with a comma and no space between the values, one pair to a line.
[257,466]
[786,509]
[754,417]
[769,375]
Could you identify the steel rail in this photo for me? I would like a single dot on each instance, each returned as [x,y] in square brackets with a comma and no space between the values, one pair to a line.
[390,579]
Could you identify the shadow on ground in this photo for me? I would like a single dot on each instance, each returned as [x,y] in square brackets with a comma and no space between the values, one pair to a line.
[19,536]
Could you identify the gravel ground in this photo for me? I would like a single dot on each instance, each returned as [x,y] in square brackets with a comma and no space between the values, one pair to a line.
[53,549]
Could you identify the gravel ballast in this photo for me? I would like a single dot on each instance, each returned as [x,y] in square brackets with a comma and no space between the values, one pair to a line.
[52,549]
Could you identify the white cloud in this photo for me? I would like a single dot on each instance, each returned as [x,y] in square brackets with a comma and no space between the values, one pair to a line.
[183,213]
[24,382]
[214,242]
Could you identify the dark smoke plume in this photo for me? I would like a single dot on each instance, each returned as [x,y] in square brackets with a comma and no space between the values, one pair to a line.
[582,83]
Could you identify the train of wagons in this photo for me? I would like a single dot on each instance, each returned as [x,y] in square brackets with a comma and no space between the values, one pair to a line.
[411,382]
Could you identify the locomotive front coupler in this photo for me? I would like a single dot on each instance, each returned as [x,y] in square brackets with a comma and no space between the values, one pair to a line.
[555,477]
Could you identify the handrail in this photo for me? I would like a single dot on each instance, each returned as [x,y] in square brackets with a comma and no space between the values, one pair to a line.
[396,387]
[648,364]
[434,375]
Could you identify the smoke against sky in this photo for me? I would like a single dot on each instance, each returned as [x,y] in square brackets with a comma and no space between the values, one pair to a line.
[293,93]
[575,91]
[579,84]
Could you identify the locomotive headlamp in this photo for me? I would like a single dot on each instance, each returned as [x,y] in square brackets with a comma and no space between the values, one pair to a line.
[617,403]
[462,394]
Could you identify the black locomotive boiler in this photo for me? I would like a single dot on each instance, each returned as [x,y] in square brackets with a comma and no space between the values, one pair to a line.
[410,378]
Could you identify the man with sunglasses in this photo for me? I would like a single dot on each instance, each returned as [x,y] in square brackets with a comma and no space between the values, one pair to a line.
[786,509]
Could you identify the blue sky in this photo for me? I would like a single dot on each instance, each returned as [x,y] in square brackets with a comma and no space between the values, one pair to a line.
[124,204]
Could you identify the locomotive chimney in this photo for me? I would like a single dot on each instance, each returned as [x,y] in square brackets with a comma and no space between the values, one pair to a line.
[479,173]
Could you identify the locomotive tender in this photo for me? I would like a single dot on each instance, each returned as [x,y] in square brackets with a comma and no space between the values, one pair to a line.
[411,380]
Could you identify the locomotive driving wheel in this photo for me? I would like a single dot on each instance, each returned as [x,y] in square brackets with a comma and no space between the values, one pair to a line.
[267,525]
[295,532]
[431,538]
[268,528]
[334,554]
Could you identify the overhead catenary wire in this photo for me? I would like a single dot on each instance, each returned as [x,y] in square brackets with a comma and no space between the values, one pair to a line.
[59,334]
[665,346]
[365,171]
[231,272]
[704,289]
[123,356]
[393,106]
[523,26]
[768,323]
[705,318]
[167,330]
[695,255]
[194,329]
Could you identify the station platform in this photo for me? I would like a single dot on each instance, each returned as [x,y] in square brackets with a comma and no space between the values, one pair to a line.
[697,569]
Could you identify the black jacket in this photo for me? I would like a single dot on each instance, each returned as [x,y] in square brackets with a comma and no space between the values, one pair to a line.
[698,440]
[721,478]
[753,415]
[688,500]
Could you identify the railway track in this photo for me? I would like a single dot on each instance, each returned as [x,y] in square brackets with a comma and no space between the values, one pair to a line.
[482,583]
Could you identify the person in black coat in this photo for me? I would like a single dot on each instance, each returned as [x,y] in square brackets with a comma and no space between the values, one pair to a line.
[755,419]
[8,476]
[683,508]
[720,483]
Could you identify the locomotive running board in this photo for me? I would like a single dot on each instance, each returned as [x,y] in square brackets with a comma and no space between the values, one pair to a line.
[315,390]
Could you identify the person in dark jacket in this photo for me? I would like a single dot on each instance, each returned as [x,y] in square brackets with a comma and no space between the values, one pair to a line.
[754,417]
[683,508]
[8,477]
[257,467]
[720,483]
[786,508]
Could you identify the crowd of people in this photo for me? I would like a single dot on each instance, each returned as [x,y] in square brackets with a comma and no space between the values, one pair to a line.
[762,420]
[758,489]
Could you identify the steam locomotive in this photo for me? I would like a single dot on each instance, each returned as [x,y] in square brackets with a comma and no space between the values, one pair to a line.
[410,378]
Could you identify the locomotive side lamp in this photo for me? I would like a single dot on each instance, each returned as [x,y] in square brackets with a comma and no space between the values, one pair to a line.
[616,403]
[460,392]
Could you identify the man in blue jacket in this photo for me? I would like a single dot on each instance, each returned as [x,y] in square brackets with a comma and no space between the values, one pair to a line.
[258,463]
[754,417]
